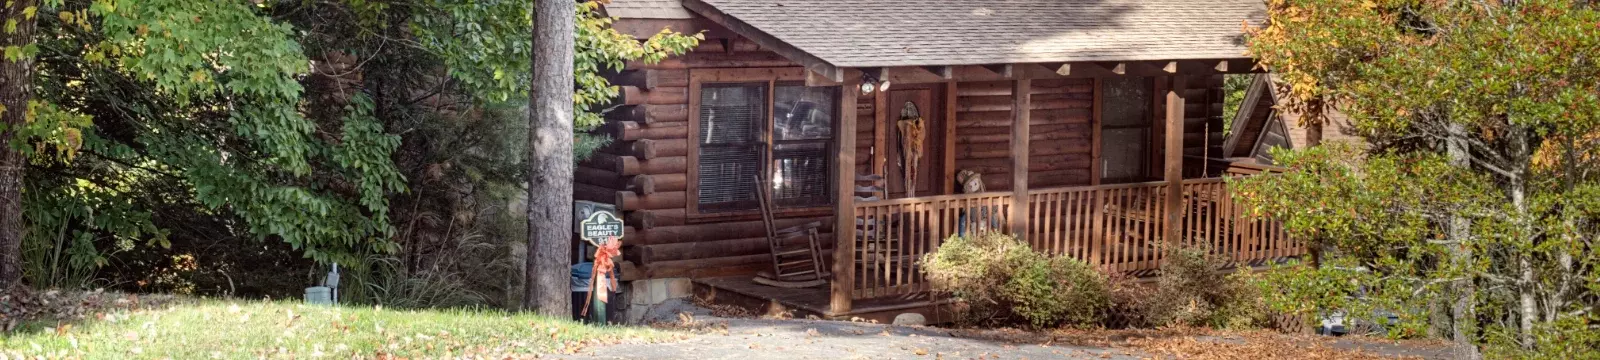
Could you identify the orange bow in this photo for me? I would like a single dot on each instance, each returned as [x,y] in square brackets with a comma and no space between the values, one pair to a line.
[602,269]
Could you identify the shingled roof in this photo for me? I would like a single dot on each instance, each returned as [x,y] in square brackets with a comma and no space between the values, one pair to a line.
[883,33]
[647,9]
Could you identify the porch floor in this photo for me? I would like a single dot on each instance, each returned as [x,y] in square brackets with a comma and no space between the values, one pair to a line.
[740,291]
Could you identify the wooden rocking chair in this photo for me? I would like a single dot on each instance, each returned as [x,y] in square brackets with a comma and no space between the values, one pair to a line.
[792,266]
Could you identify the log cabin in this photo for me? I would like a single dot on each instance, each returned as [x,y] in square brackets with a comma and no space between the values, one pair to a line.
[1095,127]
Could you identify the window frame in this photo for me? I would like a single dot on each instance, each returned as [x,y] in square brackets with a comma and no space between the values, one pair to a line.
[773,78]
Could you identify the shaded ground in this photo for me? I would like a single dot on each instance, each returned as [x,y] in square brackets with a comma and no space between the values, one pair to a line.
[752,339]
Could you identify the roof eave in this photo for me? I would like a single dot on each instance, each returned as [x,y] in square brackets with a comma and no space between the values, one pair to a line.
[809,61]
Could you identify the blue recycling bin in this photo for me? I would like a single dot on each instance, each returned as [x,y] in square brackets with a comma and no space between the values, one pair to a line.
[581,274]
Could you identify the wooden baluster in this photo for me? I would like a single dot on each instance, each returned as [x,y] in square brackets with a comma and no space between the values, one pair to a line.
[1062,226]
[1091,239]
[1164,225]
[1151,230]
[1044,237]
[1102,245]
[1076,232]
[1124,222]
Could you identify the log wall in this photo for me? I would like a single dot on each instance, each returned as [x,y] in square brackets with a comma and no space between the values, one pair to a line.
[644,171]
[1061,136]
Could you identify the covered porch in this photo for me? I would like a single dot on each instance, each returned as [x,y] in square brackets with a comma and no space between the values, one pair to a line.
[1094,138]
[1119,226]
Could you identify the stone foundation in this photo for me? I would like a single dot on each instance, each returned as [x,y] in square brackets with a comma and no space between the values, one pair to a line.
[645,295]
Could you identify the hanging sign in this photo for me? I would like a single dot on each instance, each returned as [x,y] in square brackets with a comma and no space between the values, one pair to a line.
[600,228]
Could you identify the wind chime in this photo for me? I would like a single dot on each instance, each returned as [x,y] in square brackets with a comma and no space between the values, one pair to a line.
[912,133]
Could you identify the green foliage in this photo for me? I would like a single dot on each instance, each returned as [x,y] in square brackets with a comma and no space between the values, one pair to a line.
[1234,87]
[999,277]
[1384,217]
[383,280]
[202,125]
[193,329]
[601,49]
[472,40]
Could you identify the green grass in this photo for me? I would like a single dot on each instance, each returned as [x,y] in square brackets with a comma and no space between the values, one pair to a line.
[264,329]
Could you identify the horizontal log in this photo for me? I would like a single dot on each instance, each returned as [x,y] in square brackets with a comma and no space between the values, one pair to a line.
[599,177]
[648,219]
[630,131]
[593,193]
[633,95]
[1003,88]
[743,44]
[629,201]
[727,45]
[654,114]
[967,119]
[702,268]
[650,254]
[647,79]
[1003,151]
[652,148]
[629,165]
[1059,178]
[661,165]
[1003,103]
[718,231]
[650,184]
[1063,133]
[650,114]
[1035,163]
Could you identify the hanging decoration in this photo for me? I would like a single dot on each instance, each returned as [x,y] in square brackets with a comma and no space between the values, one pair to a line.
[912,134]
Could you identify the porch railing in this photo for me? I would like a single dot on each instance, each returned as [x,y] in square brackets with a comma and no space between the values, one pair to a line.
[1117,227]
[1123,227]
[893,235]
[1120,228]
[1214,220]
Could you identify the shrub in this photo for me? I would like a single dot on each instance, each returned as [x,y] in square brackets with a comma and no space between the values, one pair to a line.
[1192,290]
[1000,279]
[1128,302]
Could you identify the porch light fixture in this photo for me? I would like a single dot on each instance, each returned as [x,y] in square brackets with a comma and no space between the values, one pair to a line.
[871,83]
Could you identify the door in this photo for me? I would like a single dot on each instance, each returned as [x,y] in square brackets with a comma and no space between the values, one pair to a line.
[904,104]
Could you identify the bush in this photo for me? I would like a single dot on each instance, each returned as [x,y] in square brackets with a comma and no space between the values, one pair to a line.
[1128,302]
[999,279]
[1193,290]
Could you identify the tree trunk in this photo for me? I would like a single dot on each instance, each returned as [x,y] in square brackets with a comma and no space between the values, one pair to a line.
[550,160]
[16,90]
[1463,314]
[1569,221]
[1314,139]
[1519,155]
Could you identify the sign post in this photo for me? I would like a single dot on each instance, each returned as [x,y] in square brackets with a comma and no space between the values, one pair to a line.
[603,229]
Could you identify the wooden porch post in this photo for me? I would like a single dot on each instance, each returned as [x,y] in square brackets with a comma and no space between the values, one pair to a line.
[1174,161]
[1020,109]
[844,228]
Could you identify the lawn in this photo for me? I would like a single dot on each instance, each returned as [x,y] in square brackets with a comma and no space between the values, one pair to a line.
[290,329]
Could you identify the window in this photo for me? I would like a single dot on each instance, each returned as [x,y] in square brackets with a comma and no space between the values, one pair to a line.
[1125,128]
[736,137]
